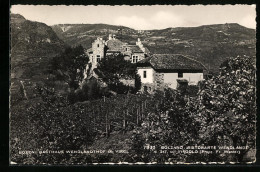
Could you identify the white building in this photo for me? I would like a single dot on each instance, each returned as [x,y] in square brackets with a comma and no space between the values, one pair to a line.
[167,70]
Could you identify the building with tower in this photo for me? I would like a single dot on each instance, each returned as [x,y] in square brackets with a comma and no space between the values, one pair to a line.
[156,71]
[101,48]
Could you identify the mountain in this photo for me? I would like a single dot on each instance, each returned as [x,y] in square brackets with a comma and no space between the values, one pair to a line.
[33,44]
[85,34]
[209,44]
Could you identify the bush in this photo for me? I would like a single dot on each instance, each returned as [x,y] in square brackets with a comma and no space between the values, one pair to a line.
[114,68]
[69,66]
[50,124]
[222,114]
[228,106]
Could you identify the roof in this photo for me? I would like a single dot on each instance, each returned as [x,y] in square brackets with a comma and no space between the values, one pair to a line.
[171,62]
[135,49]
[146,50]
[89,50]
[114,45]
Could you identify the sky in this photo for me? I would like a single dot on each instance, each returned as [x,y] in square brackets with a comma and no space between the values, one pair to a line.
[140,17]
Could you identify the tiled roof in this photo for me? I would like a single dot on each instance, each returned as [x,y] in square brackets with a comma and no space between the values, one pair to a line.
[89,50]
[172,62]
[135,48]
[117,46]
[146,50]
[114,45]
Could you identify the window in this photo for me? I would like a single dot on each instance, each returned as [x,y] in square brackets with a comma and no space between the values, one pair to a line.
[98,58]
[144,74]
[97,45]
[134,59]
[126,49]
[180,75]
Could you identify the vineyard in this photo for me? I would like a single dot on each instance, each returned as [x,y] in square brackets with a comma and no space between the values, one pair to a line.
[52,125]
[224,104]
[120,113]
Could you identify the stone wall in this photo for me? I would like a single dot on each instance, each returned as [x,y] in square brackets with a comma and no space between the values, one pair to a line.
[150,87]
[159,80]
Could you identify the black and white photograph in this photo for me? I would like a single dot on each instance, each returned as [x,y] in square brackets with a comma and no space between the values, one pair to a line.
[140,84]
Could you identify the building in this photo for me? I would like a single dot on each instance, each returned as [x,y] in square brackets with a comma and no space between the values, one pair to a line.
[156,71]
[168,70]
[101,48]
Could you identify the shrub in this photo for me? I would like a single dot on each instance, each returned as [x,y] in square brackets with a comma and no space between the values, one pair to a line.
[228,106]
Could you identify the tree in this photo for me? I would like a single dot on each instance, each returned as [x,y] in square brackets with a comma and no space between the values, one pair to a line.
[227,107]
[138,82]
[70,65]
[222,114]
[114,68]
[173,124]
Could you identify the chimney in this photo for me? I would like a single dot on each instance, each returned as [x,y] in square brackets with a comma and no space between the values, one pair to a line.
[110,37]
[139,43]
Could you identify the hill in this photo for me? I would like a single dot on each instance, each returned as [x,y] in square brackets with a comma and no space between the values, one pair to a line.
[209,44]
[32,46]
[85,34]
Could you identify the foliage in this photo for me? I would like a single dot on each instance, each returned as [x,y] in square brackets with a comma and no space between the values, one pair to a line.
[172,124]
[50,97]
[228,105]
[114,68]
[70,65]
[54,124]
[120,88]
[48,124]
[90,90]
[138,82]
[192,90]
[223,114]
